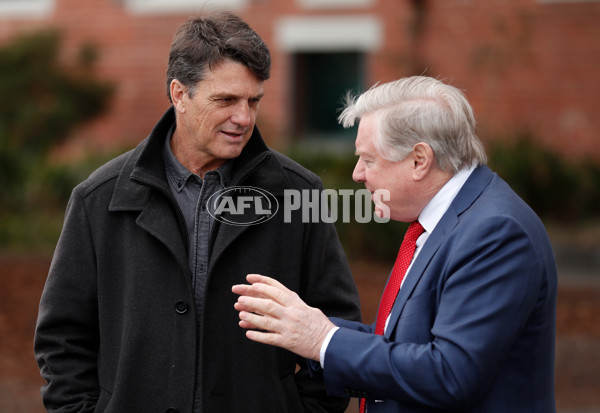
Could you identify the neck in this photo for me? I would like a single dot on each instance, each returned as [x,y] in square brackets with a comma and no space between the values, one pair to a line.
[435,181]
[195,161]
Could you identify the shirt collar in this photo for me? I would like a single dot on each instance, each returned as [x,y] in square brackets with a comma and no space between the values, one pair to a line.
[439,204]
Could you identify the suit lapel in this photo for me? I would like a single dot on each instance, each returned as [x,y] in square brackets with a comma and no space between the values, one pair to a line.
[470,191]
[417,270]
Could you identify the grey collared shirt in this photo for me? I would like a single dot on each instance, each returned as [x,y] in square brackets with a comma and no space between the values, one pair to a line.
[191,193]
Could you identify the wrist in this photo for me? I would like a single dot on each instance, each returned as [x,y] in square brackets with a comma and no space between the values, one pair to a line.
[325,344]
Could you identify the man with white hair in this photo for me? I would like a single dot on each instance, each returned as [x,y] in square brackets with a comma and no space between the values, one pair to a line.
[467,319]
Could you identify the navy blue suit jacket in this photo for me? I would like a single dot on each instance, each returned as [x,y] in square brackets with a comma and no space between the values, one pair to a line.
[473,327]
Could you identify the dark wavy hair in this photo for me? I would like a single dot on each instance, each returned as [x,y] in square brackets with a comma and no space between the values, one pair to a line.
[201,43]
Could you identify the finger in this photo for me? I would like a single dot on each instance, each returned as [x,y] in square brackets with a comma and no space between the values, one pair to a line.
[259,322]
[240,289]
[258,278]
[264,337]
[267,287]
[261,306]
[275,291]
[241,307]
[254,290]
[246,325]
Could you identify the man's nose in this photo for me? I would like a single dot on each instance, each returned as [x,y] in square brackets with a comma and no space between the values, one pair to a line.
[243,114]
[358,175]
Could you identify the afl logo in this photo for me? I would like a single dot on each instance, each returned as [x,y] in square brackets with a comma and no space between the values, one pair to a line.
[242,205]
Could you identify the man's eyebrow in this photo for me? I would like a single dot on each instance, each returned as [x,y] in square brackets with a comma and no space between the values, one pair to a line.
[222,95]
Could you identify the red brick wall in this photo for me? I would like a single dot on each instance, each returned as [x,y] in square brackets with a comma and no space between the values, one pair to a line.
[523,64]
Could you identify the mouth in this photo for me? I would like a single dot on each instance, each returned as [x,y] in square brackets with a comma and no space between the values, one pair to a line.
[233,136]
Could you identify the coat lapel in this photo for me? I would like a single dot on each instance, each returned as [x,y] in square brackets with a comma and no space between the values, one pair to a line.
[257,166]
[157,217]
[162,225]
[470,191]
[142,186]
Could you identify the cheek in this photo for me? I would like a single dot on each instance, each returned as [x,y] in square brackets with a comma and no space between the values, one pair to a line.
[393,187]
[197,118]
[378,178]
[211,115]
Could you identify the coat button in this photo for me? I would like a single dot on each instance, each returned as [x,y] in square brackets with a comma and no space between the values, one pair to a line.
[181,307]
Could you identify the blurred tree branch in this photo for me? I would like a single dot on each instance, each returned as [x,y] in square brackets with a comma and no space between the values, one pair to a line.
[42,101]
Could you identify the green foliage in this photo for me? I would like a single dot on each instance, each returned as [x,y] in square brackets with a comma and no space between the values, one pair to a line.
[43,100]
[555,188]
[37,224]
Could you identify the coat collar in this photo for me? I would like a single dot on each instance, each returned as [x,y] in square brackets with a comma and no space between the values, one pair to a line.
[471,190]
[144,170]
[142,185]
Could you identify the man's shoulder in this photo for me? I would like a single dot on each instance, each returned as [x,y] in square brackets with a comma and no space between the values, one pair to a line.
[105,174]
[297,172]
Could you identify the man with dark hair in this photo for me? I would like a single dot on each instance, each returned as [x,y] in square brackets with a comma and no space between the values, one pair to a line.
[137,312]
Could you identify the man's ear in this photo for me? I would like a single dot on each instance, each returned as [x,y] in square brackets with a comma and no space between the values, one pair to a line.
[423,160]
[178,91]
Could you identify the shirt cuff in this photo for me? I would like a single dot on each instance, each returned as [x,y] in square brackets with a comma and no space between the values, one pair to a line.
[325,344]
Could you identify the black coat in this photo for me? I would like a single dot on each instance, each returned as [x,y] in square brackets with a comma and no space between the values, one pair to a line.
[117,323]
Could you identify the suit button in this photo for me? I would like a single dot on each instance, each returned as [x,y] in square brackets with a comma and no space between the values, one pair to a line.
[181,307]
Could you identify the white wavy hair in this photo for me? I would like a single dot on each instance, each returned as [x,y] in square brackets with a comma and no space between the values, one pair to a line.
[420,109]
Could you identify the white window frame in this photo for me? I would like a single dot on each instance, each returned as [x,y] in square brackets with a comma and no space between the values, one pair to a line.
[336,33]
[181,6]
[26,8]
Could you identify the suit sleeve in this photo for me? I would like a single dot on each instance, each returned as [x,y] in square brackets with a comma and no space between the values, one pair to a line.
[66,336]
[353,325]
[488,284]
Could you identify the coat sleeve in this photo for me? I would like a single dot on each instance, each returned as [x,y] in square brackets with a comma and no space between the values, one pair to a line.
[327,284]
[66,336]
[488,283]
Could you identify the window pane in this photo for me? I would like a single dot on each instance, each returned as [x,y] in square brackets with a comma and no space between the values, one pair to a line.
[321,82]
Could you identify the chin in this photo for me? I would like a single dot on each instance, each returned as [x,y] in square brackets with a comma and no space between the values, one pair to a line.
[233,153]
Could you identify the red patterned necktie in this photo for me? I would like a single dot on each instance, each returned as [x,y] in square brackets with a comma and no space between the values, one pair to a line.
[407,250]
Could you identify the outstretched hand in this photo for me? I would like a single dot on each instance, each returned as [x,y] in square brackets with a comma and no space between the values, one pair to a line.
[277,316]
